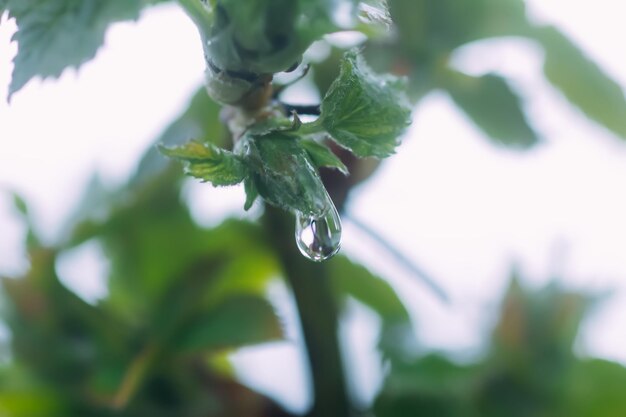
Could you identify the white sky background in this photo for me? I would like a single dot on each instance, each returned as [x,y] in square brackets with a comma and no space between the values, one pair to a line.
[461,207]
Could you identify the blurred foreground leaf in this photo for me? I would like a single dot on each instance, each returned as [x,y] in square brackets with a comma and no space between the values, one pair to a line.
[55,34]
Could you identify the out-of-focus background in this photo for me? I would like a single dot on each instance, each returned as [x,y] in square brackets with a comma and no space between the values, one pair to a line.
[469,211]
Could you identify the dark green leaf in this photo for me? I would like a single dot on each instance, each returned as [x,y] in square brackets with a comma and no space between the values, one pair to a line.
[284,174]
[493,106]
[322,156]
[251,193]
[581,80]
[207,162]
[365,112]
[55,34]
[236,322]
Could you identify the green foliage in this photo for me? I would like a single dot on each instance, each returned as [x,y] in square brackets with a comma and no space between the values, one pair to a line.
[494,107]
[181,297]
[267,36]
[530,369]
[365,112]
[284,174]
[207,162]
[55,34]
[355,281]
[581,80]
[322,156]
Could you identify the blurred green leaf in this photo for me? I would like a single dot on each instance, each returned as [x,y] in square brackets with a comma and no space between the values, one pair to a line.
[357,281]
[20,204]
[365,112]
[322,156]
[432,386]
[582,81]
[55,34]
[431,28]
[30,403]
[595,388]
[284,174]
[236,322]
[493,106]
[208,162]
[353,280]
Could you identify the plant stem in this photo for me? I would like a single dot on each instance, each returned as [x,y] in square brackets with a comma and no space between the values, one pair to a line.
[200,13]
[318,317]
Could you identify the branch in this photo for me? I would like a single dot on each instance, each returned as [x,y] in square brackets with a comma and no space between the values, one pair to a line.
[317,309]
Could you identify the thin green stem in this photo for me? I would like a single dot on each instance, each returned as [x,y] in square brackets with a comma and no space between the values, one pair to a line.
[401,258]
[201,12]
[317,308]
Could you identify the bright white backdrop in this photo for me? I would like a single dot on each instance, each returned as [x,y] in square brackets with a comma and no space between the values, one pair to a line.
[464,209]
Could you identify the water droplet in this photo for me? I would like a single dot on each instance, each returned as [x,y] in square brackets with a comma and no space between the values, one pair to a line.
[319,238]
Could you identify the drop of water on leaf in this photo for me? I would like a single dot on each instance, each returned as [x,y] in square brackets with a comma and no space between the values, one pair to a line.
[319,238]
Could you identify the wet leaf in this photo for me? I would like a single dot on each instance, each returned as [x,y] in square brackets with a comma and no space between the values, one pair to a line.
[284,174]
[365,112]
[322,156]
[208,162]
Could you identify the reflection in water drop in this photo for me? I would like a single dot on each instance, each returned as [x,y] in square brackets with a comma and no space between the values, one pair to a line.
[319,238]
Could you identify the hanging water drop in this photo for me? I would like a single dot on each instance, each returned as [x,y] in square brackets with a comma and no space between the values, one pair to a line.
[319,238]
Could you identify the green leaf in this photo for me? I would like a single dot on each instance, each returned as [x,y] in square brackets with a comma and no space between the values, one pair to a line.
[582,81]
[493,106]
[251,193]
[322,156]
[365,112]
[351,279]
[55,34]
[236,322]
[284,174]
[200,120]
[208,162]
[594,388]
[357,281]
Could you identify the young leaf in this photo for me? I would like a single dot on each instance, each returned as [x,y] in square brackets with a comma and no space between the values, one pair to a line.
[208,162]
[583,83]
[284,174]
[363,111]
[322,156]
[493,106]
[55,34]
[251,193]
